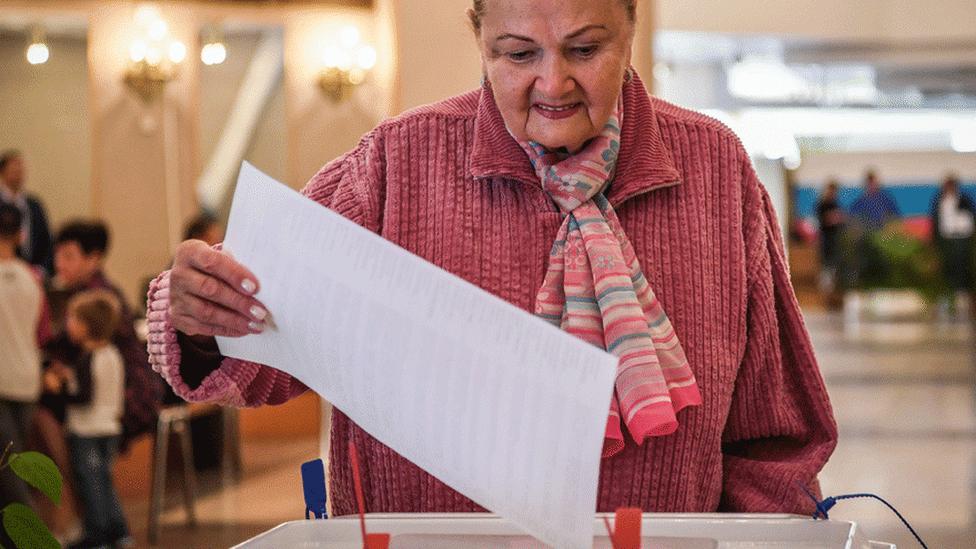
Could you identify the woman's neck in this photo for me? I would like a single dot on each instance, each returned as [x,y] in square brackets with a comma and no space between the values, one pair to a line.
[7,251]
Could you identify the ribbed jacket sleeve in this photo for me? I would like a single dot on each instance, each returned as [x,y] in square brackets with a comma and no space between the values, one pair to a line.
[348,185]
[780,430]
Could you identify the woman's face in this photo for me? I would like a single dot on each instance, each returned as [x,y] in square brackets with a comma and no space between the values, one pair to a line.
[556,67]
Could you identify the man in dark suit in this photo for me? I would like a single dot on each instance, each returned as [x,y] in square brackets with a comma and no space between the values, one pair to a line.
[36,247]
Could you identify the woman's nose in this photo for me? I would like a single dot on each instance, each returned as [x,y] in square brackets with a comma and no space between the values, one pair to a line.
[555,80]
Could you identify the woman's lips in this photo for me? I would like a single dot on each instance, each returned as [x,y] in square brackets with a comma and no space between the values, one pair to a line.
[556,112]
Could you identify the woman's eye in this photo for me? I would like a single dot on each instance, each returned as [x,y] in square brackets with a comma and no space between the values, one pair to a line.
[520,56]
[585,51]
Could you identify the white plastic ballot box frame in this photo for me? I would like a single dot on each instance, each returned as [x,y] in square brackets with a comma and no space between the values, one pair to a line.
[660,530]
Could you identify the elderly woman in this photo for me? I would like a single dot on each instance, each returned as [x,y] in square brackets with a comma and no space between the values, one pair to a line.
[564,188]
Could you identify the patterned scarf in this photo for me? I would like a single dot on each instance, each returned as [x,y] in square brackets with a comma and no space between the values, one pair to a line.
[595,290]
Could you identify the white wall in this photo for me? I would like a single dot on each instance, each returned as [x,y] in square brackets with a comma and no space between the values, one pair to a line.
[44,113]
[219,85]
[438,55]
[868,20]
[318,128]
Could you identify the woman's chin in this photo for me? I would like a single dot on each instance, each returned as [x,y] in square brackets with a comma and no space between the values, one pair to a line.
[570,143]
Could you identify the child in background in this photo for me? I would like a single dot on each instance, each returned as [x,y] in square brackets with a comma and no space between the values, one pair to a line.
[94,387]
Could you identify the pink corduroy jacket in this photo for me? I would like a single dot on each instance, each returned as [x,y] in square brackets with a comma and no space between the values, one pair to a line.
[448,183]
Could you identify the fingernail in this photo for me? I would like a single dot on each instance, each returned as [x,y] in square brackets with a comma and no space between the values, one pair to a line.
[258,313]
[256,326]
[249,286]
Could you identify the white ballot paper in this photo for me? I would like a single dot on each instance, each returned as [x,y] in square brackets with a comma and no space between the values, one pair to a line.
[496,403]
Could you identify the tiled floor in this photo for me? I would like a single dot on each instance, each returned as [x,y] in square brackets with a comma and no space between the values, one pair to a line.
[269,493]
[904,396]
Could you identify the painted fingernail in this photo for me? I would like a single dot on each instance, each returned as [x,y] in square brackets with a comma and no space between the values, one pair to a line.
[249,286]
[256,326]
[258,313]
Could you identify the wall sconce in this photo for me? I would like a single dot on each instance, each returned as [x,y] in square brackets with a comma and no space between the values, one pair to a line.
[154,57]
[345,65]
[213,52]
[37,52]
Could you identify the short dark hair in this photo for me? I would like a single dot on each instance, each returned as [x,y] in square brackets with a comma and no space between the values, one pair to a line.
[91,236]
[8,155]
[99,310]
[10,220]
[199,225]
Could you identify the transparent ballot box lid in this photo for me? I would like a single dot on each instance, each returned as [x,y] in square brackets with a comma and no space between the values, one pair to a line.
[484,531]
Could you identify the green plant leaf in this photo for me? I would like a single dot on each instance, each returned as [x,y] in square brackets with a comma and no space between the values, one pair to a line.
[26,529]
[40,472]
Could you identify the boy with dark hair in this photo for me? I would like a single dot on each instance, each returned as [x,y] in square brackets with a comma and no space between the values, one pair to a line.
[94,387]
[23,323]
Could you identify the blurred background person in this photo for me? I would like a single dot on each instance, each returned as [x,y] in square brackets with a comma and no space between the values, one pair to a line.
[205,427]
[23,326]
[875,207]
[94,388]
[869,214]
[831,219]
[953,216]
[206,227]
[35,244]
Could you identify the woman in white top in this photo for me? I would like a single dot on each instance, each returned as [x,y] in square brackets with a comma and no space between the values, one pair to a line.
[953,226]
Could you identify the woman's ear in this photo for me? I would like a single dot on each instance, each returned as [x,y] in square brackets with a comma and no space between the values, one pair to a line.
[484,68]
[473,21]
[629,54]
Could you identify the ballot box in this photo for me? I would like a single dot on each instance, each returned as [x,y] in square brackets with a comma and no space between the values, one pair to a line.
[484,531]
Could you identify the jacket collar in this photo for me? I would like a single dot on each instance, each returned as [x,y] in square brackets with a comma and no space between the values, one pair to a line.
[644,162]
[17,199]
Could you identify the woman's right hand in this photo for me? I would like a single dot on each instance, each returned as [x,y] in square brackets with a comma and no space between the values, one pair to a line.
[212,295]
